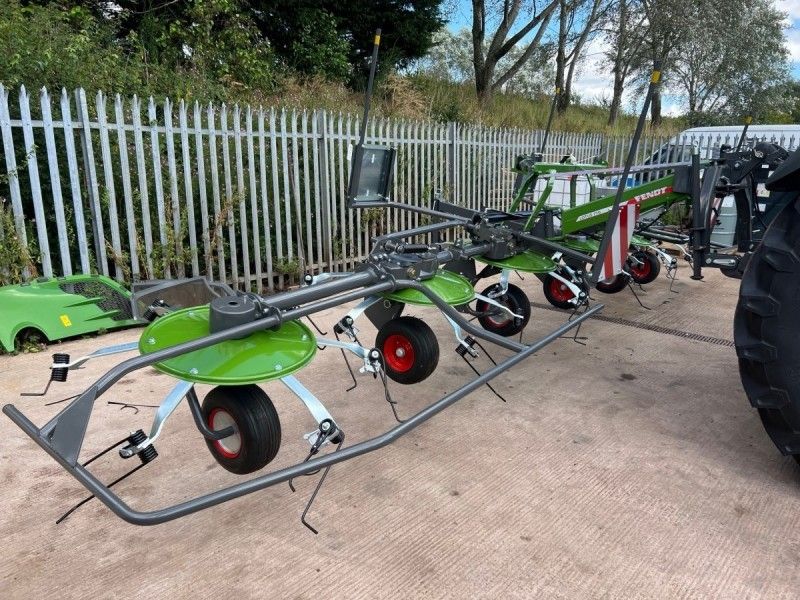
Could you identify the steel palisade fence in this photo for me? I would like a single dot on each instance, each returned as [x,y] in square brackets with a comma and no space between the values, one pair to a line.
[139,189]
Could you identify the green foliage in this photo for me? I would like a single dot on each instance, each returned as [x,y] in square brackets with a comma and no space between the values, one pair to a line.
[316,37]
[318,48]
[209,51]
[15,257]
[48,46]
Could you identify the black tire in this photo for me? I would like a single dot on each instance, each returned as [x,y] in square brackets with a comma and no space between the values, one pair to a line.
[648,270]
[613,285]
[500,322]
[410,349]
[258,429]
[556,292]
[766,328]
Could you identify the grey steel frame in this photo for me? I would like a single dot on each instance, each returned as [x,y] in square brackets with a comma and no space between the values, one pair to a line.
[62,437]
[121,509]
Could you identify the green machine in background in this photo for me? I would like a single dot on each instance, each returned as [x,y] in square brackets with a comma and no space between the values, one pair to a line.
[63,307]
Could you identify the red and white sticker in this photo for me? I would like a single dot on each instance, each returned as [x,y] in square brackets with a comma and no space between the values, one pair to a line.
[617,252]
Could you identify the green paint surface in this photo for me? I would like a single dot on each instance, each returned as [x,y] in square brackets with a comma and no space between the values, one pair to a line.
[450,287]
[261,356]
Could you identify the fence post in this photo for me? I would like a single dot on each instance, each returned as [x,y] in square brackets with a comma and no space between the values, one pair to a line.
[11,170]
[33,173]
[110,189]
[55,182]
[90,172]
[75,183]
[452,157]
[324,200]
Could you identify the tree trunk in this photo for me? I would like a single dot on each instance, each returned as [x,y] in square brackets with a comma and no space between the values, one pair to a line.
[655,107]
[616,99]
[483,84]
[620,69]
[561,53]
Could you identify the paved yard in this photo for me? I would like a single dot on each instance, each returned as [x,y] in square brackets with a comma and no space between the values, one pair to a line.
[631,467]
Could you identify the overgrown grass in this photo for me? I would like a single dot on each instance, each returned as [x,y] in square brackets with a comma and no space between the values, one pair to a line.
[425,98]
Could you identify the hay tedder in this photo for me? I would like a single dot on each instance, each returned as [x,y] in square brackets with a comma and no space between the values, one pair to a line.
[238,341]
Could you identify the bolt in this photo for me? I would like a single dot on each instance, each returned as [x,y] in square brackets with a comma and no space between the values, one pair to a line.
[151,341]
[325,426]
[305,337]
[400,352]
[278,367]
[193,371]
[374,354]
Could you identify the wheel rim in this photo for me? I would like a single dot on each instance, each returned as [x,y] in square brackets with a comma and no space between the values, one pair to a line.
[499,318]
[398,352]
[641,270]
[231,446]
[560,291]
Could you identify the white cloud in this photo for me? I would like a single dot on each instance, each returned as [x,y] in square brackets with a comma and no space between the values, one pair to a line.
[594,80]
[793,43]
[790,7]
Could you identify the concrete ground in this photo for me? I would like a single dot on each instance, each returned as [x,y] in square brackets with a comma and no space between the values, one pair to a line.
[631,467]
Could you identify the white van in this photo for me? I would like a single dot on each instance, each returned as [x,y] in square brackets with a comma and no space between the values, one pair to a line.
[709,139]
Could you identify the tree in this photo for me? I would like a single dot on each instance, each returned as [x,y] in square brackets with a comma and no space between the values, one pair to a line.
[576,24]
[450,59]
[722,67]
[528,37]
[623,32]
[663,27]
[407,30]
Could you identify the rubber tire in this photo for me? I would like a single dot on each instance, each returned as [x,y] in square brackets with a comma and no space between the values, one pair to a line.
[547,284]
[422,340]
[516,300]
[614,285]
[257,423]
[651,273]
[766,328]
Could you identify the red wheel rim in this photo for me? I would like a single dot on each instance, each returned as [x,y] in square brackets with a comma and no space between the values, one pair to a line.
[559,291]
[497,319]
[398,353]
[231,446]
[642,270]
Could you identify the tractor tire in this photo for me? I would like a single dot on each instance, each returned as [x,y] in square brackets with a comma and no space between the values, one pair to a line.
[767,328]
[647,271]
[502,323]
[409,348]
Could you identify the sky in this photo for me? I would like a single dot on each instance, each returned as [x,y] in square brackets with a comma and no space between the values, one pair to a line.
[594,81]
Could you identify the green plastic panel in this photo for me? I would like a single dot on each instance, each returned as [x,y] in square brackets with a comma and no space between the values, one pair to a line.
[638,240]
[261,356]
[450,287]
[527,262]
[63,307]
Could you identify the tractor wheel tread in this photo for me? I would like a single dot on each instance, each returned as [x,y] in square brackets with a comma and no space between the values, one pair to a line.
[766,328]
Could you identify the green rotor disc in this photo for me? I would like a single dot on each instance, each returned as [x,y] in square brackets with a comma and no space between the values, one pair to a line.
[450,287]
[261,356]
[527,262]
